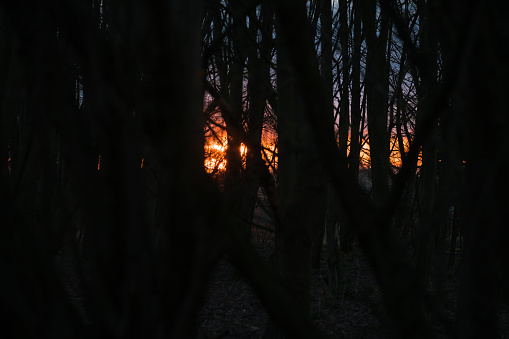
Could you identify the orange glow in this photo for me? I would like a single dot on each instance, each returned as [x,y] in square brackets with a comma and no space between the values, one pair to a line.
[364,155]
[396,156]
[216,143]
[243,150]
[243,153]
[269,150]
[217,147]
[214,164]
[99,163]
[215,151]
[215,155]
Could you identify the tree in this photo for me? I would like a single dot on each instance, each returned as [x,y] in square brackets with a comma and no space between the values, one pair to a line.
[472,47]
[259,88]
[346,129]
[110,200]
[428,170]
[301,183]
[377,78]
[332,217]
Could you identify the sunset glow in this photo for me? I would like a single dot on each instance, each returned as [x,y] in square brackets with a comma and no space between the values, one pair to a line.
[215,154]
[243,150]
[216,143]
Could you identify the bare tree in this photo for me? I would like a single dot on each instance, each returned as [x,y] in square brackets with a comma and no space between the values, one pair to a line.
[377,78]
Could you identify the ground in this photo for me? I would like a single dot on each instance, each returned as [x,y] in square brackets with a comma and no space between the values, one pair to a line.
[233,310]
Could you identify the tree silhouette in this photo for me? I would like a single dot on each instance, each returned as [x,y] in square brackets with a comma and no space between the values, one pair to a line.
[111,226]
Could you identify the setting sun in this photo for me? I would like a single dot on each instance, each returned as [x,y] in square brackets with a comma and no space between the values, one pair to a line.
[215,155]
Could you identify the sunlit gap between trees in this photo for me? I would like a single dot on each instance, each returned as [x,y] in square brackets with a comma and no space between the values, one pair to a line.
[216,144]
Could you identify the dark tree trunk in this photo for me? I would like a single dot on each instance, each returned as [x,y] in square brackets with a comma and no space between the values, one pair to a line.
[377,84]
[300,168]
[455,224]
[480,98]
[355,132]
[259,88]
[428,172]
[344,119]
[332,232]
[327,81]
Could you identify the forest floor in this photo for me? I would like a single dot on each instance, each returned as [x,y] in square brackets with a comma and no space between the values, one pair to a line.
[233,310]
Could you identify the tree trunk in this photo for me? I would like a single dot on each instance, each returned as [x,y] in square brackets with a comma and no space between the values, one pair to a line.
[479,102]
[428,172]
[300,171]
[353,156]
[331,226]
[377,84]
[327,81]
[258,89]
